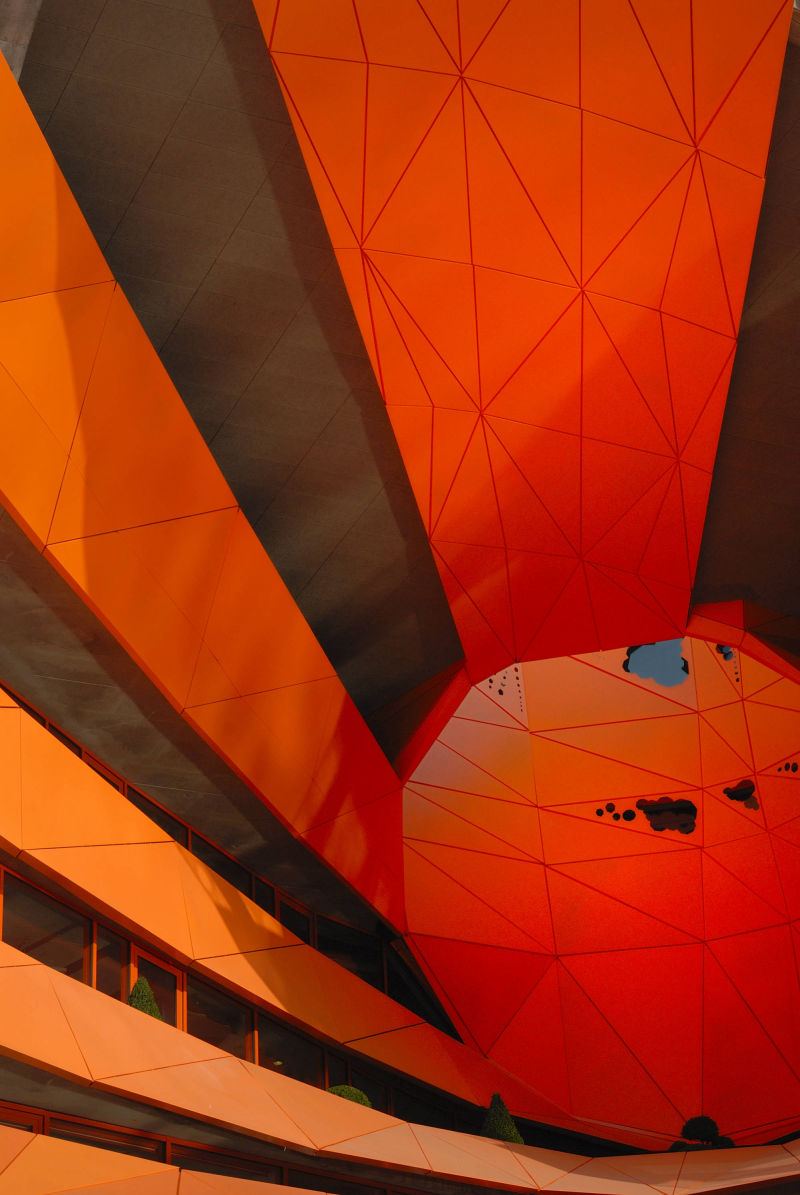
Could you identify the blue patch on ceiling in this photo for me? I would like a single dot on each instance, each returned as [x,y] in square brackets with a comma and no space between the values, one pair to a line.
[661,662]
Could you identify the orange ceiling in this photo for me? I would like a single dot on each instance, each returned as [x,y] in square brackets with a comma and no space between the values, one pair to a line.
[544,216]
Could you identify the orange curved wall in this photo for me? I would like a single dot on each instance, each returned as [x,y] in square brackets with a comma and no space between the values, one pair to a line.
[102,466]
[603,877]
[544,215]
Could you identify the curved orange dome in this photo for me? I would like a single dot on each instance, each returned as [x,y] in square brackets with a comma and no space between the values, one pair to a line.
[603,883]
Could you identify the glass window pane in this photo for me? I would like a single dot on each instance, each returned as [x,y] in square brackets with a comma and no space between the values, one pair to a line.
[404,987]
[107,1138]
[373,1090]
[299,923]
[413,1105]
[45,929]
[361,953]
[219,862]
[327,1182]
[208,1161]
[165,988]
[216,1018]
[338,1071]
[112,956]
[282,1050]
[169,824]
[264,896]
[65,739]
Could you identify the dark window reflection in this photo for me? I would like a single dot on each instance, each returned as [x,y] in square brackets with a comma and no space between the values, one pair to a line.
[264,896]
[295,921]
[281,1050]
[216,1018]
[326,1182]
[373,1090]
[219,862]
[45,929]
[361,953]
[170,825]
[165,988]
[338,1071]
[413,1105]
[112,956]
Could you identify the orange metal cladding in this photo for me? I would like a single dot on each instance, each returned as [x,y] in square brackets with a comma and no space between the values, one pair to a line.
[544,215]
[104,469]
[603,883]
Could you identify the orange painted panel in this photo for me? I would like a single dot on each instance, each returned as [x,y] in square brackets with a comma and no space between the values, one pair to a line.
[326,1119]
[65,803]
[71,322]
[51,247]
[561,157]
[11,805]
[396,1146]
[460,1155]
[12,1142]
[115,1042]
[154,901]
[313,990]
[224,1091]
[668,820]
[365,846]
[221,919]
[265,653]
[48,1166]
[35,1027]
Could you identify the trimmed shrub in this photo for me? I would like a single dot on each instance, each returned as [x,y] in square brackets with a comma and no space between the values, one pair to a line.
[499,1123]
[351,1093]
[701,1128]
[142,997]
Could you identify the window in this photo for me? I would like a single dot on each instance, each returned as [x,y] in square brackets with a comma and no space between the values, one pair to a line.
[295,920]
[209,1161]
[111,965]
[107,1137]
[338,1071]
[280,1049]
[169,824]
[217,1019]
[264,895]
[165,983]
[327,1182]
[414,1105]
[219,862]
[361,953]
[373,1090]
[45,929]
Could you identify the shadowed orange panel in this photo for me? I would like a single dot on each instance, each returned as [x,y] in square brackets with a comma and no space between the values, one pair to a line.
[538,158]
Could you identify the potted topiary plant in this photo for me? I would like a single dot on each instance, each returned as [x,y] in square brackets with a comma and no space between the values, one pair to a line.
[499,1123]
[142,997]
[351,1093]
[705,1132]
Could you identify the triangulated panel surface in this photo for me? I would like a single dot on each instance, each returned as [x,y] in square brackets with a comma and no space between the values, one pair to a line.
[603,883]
[544,216]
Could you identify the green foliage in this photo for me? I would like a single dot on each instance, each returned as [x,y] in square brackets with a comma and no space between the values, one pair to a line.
[142,997]
[499,1123]
[701,1128]
[351,1093]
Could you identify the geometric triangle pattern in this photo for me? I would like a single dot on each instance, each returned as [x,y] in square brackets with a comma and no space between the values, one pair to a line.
[610,901]
[545,229]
